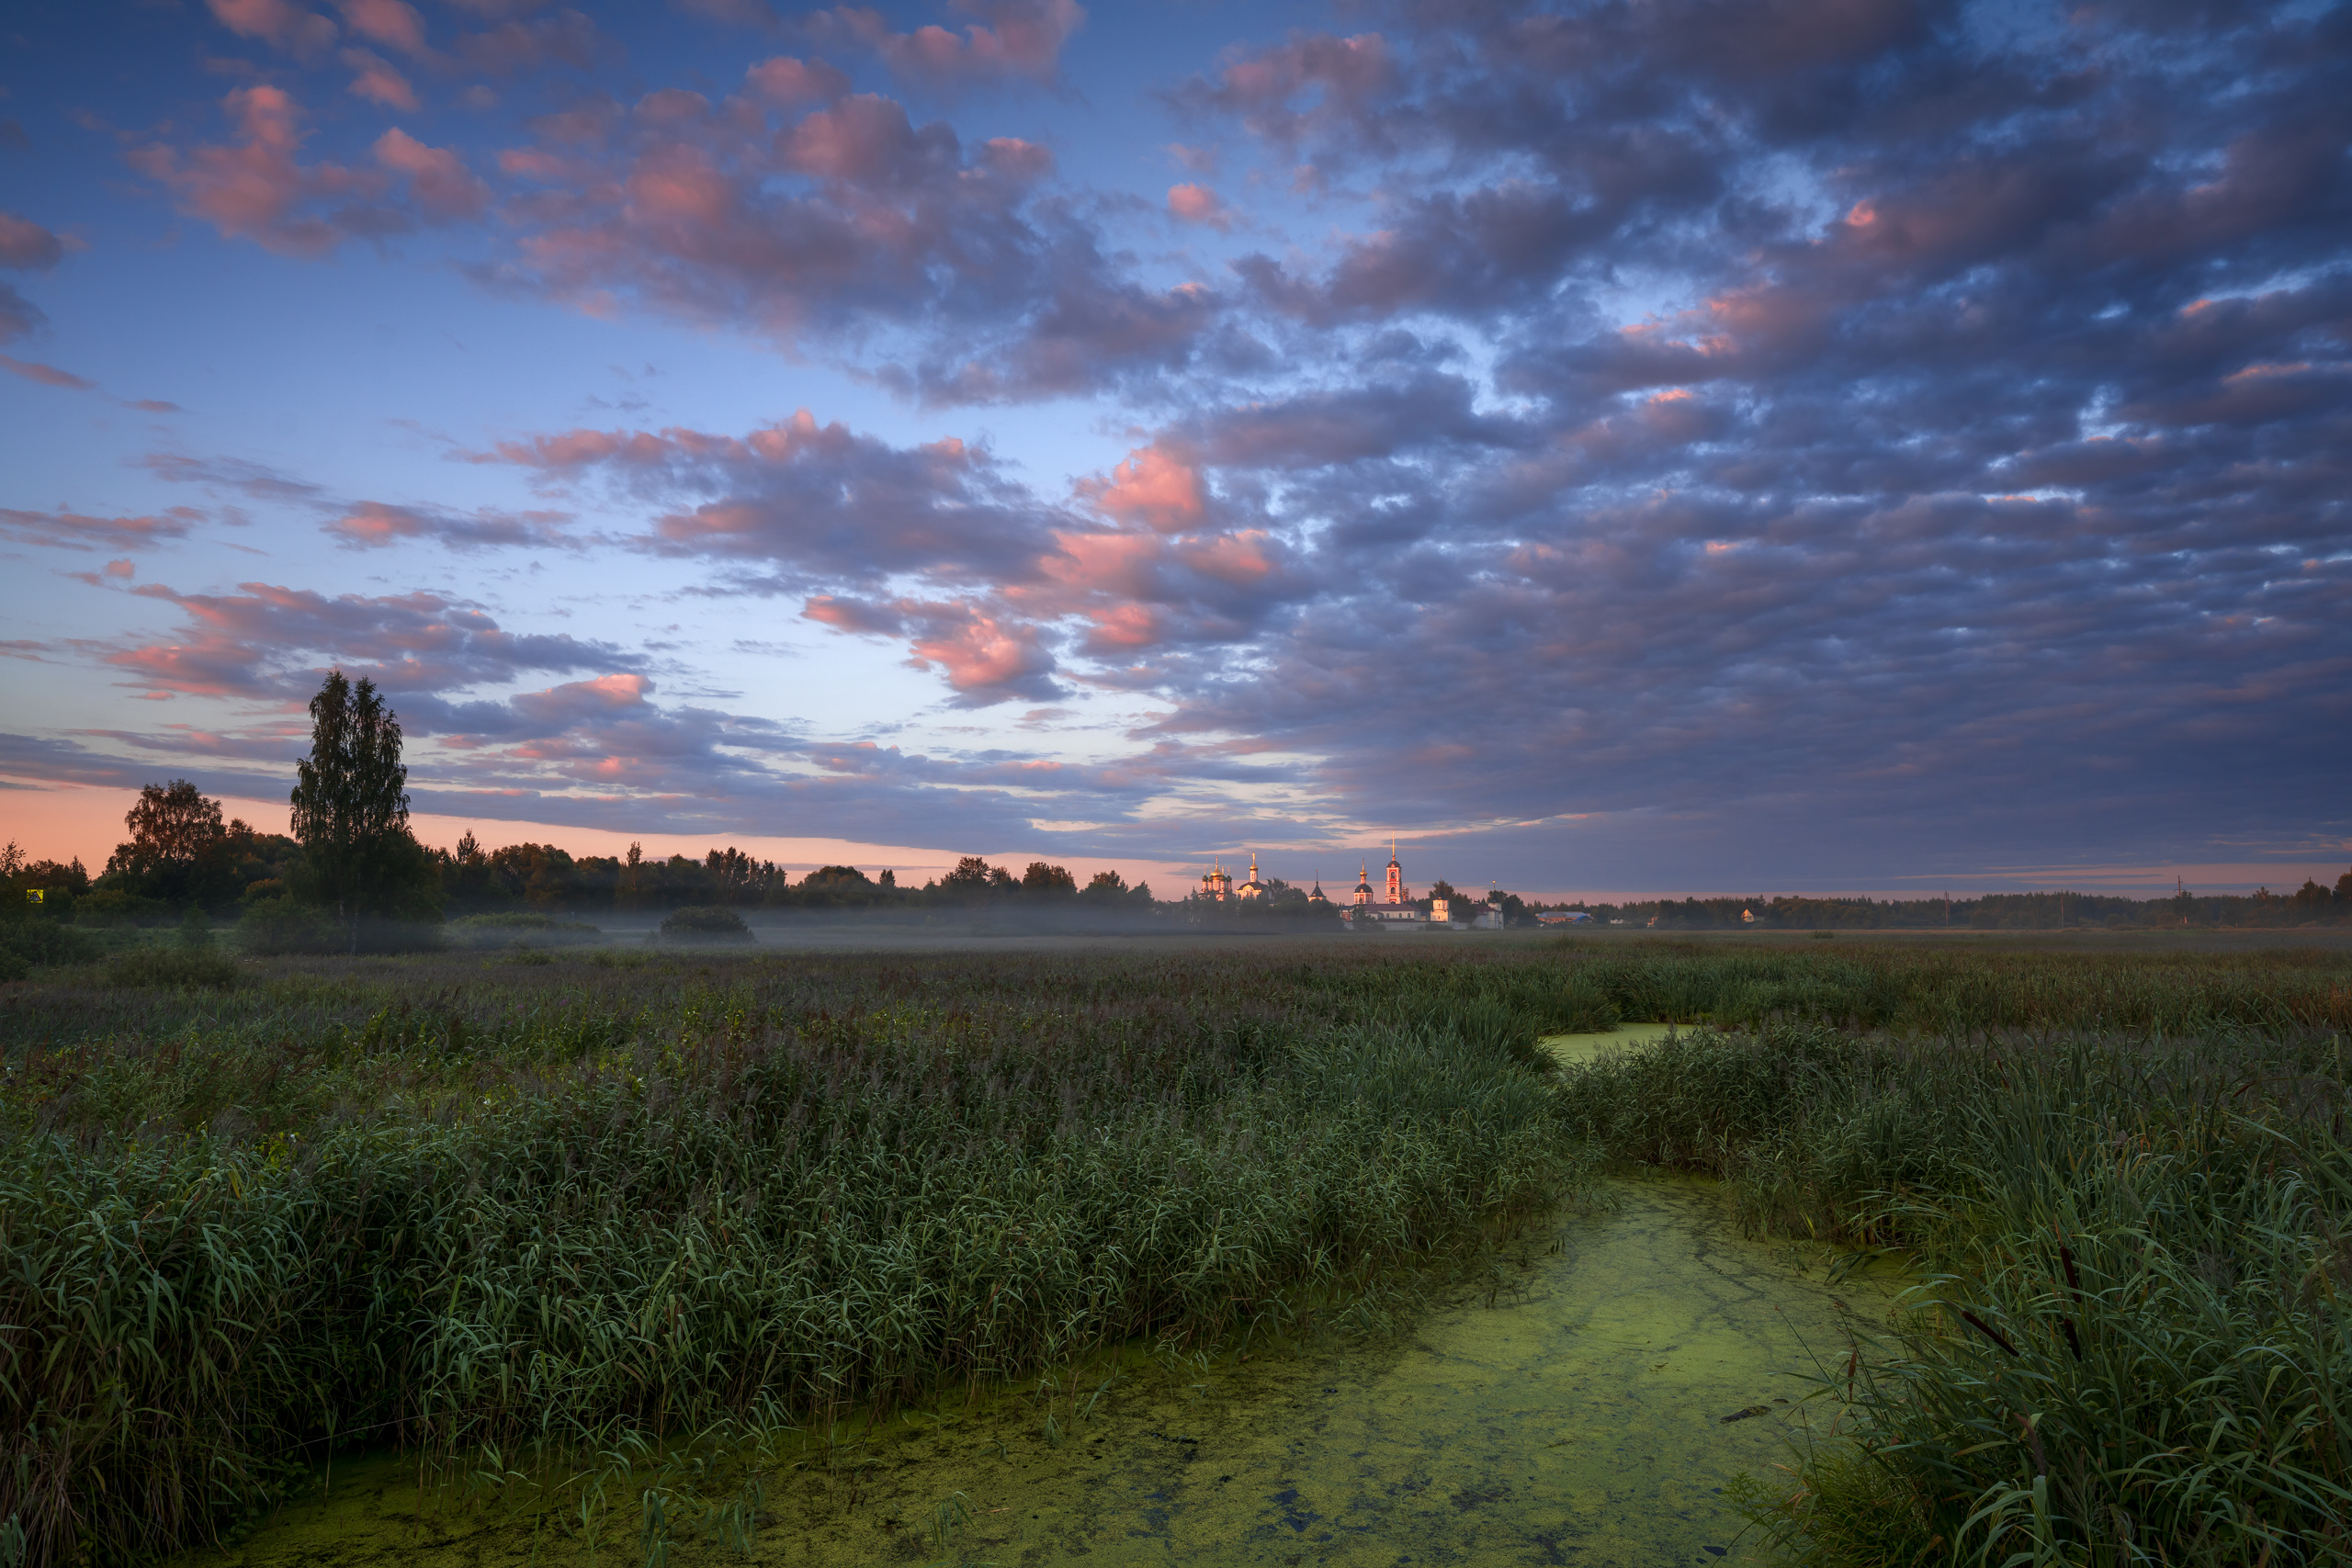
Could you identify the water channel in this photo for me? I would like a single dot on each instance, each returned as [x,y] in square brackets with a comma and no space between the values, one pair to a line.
[1590,1414]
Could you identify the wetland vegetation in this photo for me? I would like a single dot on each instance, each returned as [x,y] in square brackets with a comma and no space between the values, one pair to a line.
[508,1213]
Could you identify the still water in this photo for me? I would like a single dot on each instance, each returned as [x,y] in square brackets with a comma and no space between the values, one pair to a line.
[1576,1416]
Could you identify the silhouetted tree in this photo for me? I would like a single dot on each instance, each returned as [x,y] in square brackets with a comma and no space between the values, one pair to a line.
[972,875]
[170,827]
[351,808]
[1043,880]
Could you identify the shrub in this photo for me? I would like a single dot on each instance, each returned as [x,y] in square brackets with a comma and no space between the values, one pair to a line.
[39,944]
[282,925]
[288,926]
[703,923]
[519,929]
[195,967]
[113,907]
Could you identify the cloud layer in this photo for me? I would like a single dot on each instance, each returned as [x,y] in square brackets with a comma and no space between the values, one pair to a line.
[1894,432]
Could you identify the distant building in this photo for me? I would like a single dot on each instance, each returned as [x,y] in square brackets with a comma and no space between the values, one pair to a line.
[1390,909]
[1253,888]
[1394,913]
[1565,918]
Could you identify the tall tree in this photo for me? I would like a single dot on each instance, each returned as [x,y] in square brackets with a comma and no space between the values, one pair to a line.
[1043,880]
[170,825]
[628,888]
[177,844]
[351,801]
[970,876]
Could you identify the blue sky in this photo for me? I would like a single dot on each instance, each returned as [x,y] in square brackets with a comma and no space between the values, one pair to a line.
[1662,446]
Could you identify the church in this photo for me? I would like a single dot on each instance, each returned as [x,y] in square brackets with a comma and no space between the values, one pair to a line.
[1389,909]
[1394,910]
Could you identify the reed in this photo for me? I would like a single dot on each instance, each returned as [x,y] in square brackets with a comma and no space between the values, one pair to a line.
[513,1215]
[1945,989]
[2131,1340]
[502,1213]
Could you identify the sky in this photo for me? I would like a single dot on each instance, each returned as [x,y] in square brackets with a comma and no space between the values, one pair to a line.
[1669,446]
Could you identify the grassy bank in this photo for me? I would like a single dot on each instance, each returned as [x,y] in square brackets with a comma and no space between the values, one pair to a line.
[493,1210]
[497,1212]
[1960,989]
[2142,1248]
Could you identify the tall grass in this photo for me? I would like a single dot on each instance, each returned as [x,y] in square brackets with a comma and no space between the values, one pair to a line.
[1949,990]
[765,1191]
[487,1210]
[2132,1346]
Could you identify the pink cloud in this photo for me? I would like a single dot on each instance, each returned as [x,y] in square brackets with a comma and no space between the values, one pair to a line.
[1238,560]
[1013,37]
[252,190]
[442,186]
[76,531]
[784,81]
[1152,486]
[844,613]
[211,667]
[865,139]
[678,186]
[987,655]
[46,375]
[1121,565]
[278,22]
[378,81]
[1124,627]
[121,569]
[372,524]
[985,658]
[27,246]
[1017,160]
[564,706]
[1316,83]
[1198,203]
[391,23]
[524,43]
[266,641]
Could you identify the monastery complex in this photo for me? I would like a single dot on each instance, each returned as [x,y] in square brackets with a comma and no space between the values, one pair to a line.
[1392,908]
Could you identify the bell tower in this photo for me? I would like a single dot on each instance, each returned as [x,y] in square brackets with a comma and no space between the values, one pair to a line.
[1396,876]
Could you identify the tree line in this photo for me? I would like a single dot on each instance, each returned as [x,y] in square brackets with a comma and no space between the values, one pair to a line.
[350,866]
[2312,904]
[350,870]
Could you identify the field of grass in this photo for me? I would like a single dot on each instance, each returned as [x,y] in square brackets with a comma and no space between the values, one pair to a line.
[496,1210]
[499,1210]
[2131,1341]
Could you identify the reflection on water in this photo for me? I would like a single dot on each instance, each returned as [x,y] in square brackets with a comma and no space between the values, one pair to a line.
[1585,1047]
[1579,1419]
